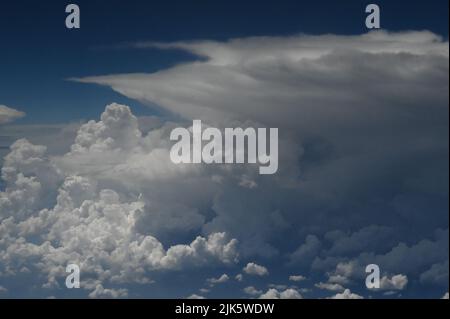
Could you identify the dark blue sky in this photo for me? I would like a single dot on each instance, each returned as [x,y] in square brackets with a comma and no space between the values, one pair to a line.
[38,53]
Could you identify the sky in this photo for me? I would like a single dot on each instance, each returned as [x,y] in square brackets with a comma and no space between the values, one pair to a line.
[85,119]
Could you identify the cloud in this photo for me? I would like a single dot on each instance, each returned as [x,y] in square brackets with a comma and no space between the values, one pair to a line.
[255,269]
[306,252]
[390,88]
[195,296]
[259,65]
[297,278]
[425,260]
[319,90]
[445,296]
[396,282]
[276,294]
[202,251]
[108,197]
[347,294]
[437,274]
[343,273]
[330,286]
[30,180]
[220,280]
[103,293]
[366,238]
[8,114]
[89,225]
[86,223]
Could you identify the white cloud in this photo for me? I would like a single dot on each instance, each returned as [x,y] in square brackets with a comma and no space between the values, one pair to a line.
[255,269]
[396,282]
[30,180]
[8,114]
[347,294]
[342,274]
[103,293]
[445,296]
[220,280]
[202,251]
[316,64]
[90,225]
[239,277]
[86,223]
[289,293]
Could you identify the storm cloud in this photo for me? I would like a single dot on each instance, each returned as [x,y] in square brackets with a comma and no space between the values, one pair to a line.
[363,173]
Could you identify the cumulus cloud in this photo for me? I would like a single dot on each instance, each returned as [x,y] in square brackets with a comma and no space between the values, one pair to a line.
[343,273]
[425,260]
[255,269]
[289,293]
[219,280]
[88,226]
[50,217]
[103,293]
[396,282]
[347,294]
[8,114]
[93,228]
